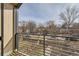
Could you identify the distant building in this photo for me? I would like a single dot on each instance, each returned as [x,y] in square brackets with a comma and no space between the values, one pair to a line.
[71,31]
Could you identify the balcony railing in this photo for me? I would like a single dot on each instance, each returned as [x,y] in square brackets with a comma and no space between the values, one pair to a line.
[47,45]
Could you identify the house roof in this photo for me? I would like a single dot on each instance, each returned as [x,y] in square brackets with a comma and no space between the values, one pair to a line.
[16,5]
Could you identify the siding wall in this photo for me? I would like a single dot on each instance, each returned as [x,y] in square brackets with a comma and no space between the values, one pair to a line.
[0,19]
[0,28]
[8,27]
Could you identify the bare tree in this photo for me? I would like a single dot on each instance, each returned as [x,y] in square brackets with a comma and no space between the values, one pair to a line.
[75,25]
[40,28]
[22,26]
[69,16]
[31,25]
[51,27]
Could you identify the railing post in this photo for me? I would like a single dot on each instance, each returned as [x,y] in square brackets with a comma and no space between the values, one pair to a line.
[44,44]
[16,41]
[44,34]
[2,28]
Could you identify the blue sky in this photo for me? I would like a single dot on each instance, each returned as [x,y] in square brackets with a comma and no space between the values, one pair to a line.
[42,12]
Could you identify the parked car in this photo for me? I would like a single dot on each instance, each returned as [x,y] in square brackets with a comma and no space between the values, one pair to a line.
[74,37]
[26,36]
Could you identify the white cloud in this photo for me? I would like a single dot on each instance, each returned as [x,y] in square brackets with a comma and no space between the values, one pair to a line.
[44,12]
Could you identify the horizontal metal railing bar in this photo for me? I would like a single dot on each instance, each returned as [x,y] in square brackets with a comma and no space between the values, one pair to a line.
[59,47]
[30,52]
[37,53]
[69,50]
[31,49]
[40,46]
[32,46]
[56,53]
[64,36]
[64,51]
[32,43]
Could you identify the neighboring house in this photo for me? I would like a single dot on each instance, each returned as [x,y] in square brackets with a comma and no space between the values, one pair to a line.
[71,31]
[8,27]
